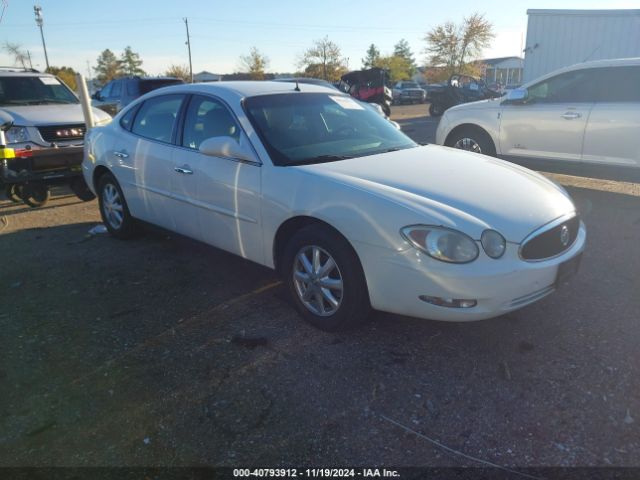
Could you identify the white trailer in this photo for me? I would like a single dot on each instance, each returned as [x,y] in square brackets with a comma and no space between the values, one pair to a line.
[560,38]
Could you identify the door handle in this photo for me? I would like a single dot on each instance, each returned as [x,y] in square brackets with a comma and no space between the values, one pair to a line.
[571,115]
[121,154]
[184,169]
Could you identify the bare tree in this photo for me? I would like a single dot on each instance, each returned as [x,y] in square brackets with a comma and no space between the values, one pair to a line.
[254,64]
[20,56]
[179,71]
[455,47]
[324,59]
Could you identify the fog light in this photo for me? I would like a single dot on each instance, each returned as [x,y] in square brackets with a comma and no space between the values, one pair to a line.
[448,302]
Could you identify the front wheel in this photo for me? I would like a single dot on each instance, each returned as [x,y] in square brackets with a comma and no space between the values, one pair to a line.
[14,192]
[113,208]
[35,194]
[325,279]
[473,140]
[435,109]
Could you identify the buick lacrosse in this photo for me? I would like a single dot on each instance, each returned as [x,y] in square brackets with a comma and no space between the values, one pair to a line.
[351,212]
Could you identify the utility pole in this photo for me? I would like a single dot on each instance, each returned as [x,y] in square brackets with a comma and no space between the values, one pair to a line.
[38,12]
[188,43]
[29,56]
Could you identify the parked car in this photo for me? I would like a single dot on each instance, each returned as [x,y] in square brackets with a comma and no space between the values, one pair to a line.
[586,113]
[368,86]
[408,92]
[351,212]
[119,93]
[459,89]
[317,81]
[45,129]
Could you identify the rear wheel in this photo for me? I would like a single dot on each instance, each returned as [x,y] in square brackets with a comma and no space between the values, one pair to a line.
[325,279]
[473,140]
[35,194]
[113,208]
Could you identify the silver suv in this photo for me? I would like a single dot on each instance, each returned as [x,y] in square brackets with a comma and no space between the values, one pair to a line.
[46,113]
[44,127]
[586,114]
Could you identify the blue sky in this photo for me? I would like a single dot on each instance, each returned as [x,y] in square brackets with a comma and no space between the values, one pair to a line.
[76,31]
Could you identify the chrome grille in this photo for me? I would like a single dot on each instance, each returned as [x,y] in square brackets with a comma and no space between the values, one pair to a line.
[551,240]
[59,133]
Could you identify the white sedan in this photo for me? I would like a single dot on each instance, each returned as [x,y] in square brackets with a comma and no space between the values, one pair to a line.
[351,212]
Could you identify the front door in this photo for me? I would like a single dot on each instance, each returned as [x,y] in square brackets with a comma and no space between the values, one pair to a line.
[222,194]
[551,123]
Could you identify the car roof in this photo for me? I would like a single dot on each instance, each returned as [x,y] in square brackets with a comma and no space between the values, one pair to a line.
[242,89]
[614,62]
[20,73]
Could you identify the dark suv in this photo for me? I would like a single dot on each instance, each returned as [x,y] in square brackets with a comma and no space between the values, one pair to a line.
[120,92]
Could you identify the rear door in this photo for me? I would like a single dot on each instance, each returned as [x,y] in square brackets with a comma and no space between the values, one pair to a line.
[144,159]
[551,123]
[614,124]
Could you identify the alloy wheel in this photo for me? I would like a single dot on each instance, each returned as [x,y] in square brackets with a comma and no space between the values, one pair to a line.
[468,144]
[113,206]
[318,281]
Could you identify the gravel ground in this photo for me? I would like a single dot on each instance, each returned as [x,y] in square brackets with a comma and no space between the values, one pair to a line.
[163,351]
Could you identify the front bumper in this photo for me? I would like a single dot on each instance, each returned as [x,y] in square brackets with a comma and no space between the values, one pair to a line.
[41,164]
[396,280]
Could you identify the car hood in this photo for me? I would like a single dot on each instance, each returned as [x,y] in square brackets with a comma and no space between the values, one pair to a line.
[459,189]
[36,115]
[480,104]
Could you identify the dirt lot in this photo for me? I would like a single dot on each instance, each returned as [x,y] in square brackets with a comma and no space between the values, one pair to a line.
[137,353]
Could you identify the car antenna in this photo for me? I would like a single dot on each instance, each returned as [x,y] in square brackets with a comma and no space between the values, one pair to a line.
[297,89]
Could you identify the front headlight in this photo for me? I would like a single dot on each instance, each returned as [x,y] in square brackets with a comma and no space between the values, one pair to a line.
[442,243]
[493,243]
[16,135]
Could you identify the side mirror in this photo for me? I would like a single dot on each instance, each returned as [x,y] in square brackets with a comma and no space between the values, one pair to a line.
[96,96]
[6,121]
[226,147]
[517,95]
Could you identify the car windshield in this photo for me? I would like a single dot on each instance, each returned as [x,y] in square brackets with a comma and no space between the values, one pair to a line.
[21,91]
[303,128]
[410,85]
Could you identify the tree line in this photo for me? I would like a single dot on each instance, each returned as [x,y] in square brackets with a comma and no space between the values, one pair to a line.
[450,48]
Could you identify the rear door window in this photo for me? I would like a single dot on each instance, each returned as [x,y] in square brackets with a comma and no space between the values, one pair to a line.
[156,119]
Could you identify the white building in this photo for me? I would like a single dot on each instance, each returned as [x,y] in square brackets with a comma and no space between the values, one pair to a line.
[504,70]
[205,76]
[559,38]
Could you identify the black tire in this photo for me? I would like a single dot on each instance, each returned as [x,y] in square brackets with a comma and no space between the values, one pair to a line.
[354,306]
[35,194]
[127,227]
[81,190]
[477,135]
[435,109]
[14,192]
